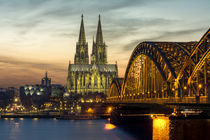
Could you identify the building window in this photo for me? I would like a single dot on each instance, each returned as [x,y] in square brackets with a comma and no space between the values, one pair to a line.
[95,81]
[81,80]
[84,80]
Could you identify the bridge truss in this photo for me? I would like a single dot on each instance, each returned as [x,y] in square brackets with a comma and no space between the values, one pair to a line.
[166,72]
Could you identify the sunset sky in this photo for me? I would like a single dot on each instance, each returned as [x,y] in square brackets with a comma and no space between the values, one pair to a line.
[41,35]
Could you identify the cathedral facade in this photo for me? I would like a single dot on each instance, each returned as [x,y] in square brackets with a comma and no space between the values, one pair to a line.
[90,76]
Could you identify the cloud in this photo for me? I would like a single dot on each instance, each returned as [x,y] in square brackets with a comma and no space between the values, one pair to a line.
[26,25]
[162,36]
[132,26]
[31,64]
[35,26]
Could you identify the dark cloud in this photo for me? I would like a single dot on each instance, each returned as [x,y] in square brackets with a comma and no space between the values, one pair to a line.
[31,14]
[125,26]
[26,25]
[162,36]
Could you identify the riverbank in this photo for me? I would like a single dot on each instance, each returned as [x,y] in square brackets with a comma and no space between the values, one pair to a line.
[82,116]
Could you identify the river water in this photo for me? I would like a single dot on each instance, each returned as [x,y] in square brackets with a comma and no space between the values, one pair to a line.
[52,129]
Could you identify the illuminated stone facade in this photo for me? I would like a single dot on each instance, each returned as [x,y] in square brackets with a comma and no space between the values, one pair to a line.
[84,78]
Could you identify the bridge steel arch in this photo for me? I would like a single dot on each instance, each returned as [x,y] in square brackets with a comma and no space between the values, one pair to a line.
[196,69]
[115,89]
[161,70]
[165,60]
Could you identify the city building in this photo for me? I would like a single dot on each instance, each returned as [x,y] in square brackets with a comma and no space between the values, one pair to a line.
[6,97]
[86,77]
[9,99]
[46,81]
[41,94]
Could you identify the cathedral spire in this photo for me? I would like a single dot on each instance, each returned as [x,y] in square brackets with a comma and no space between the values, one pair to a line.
[81,56]
[99,36]
[82,39]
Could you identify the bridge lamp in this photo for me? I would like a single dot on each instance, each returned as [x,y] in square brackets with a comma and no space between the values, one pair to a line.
[185,87]
[109,110]
[173,89]
[200,86]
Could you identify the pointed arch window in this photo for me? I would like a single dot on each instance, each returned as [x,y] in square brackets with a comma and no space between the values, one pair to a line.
[84,80]
[95,81]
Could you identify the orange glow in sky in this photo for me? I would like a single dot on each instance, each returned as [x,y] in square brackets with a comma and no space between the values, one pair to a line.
[40,35]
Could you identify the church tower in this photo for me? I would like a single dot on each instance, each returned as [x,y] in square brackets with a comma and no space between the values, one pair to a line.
[99,53]
[90,79]
[81,56]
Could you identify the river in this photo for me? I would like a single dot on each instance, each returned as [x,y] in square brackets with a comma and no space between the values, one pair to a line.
[52,129]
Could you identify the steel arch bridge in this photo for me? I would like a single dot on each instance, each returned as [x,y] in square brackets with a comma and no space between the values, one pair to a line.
[166,72]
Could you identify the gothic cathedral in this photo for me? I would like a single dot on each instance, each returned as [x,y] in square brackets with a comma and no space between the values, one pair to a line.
[84,78]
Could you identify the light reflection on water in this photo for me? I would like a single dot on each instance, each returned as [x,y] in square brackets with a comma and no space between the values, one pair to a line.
[160,128]
[52,129]
[109,126]
[190,129]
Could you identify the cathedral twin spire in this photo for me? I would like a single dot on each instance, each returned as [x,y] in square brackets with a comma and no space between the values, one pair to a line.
[82,39]
[99,36]
[81,56]
[98,55]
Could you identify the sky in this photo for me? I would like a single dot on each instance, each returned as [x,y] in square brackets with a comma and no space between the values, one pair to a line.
[41,35]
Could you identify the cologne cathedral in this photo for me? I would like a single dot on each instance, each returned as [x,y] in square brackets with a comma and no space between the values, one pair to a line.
[96,76]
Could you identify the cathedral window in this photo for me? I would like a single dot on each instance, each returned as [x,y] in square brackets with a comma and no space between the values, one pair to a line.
[82,55]
[95,81]
[100,56]
[84,80]
[81,80]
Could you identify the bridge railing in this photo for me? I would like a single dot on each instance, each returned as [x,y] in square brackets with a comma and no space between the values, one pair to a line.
[203,99]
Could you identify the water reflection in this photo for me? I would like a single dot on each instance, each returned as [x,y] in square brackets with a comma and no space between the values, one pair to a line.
[109,126]
[195,129]
[161,128]
[51,129]
[21,119]
[35,119]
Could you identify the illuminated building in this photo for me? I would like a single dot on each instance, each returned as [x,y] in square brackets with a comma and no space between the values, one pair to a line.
[84,78]
[39,94]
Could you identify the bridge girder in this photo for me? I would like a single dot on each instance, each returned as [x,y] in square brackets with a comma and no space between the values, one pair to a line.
[115,88]
[167,56]
[196,66]
[163,69]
